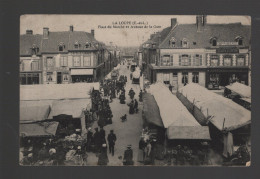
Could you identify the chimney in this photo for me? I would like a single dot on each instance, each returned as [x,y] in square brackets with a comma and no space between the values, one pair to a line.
[173,22]
[71,28]
[93,32]
[45,32]
[29,32]
[200,22]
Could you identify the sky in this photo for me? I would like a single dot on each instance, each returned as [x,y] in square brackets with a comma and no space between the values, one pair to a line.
[122,36]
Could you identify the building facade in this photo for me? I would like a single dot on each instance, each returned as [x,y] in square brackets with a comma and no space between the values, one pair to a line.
[212,55]
[66,57]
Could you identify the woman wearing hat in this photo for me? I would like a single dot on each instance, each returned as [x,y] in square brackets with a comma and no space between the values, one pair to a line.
[103,158]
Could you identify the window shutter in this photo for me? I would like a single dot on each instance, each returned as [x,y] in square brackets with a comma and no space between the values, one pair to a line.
[171,60]
[189,60]
[179,60]
[200,60]
[194,60]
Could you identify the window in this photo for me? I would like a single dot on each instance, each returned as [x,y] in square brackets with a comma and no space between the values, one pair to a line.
[197,60]
[166,78]
[88,45]
[61,48]
[35,65]
[195,77]
[65,77]
[185,60]
[214,42]
[184,43]
[63,61]
[86,61]
[50,62]
[214,60]
[241,61]
[76,45]
[172,42]
[21,66]
[49,76]
[227,60]
[35,49]
[184,78]
[76,61]
[194,43]
[240,42]
[214,79]
[167,60]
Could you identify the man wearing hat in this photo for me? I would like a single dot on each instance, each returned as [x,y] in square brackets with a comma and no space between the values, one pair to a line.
[128,156]
[111,138]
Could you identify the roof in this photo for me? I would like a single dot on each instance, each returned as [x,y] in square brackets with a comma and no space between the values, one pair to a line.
[26,43]
[33,113]
[218,107]
[38,129]
[241,89]
[188,132]
[158,37]
[172,111]
[69,107]
[222,32]
[151,110]
[56,91]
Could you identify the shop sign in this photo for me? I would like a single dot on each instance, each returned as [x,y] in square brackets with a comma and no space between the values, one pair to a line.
[227,50]
[227,43]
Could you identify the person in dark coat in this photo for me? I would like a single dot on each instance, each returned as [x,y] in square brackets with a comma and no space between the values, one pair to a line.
[103,158]
[122,98]
[136,106]
[141,96]
[102,133]
[97,140]
[131,93]
[128,156]
[131,107]
[111,138]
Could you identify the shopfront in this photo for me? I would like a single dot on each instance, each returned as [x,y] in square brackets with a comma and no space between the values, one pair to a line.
[223,77]
[82,75]
[30,78]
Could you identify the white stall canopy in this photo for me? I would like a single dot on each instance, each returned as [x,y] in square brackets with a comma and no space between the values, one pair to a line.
[81,72]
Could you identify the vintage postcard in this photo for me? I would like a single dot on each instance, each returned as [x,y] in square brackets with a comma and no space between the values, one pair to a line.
[139,90]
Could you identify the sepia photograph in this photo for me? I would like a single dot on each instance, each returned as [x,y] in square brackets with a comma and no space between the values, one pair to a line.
[135,90]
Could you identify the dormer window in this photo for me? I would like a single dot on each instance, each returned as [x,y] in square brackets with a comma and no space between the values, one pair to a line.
[61,46]
[76,45]
[184,43]
[239,39]
[35,49]
[213,41]
[88,45]
[172,42]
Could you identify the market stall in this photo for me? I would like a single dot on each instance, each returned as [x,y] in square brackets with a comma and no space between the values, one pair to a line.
[225,117]
[70,114]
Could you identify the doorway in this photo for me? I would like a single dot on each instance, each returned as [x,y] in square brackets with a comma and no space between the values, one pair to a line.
[59,78]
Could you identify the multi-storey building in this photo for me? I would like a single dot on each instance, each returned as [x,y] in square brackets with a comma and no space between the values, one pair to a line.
[67,56]
[30,58]
[212,55]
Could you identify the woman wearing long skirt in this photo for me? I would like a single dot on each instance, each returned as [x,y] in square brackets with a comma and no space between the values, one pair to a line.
[141,153]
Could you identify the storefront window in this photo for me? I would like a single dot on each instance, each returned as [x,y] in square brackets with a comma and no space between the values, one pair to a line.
[86,61]
[240,61]
[21,66]
[184,78]
[63,61]
[195,77]
[76,61]
[65,77]
[214,60]
[233,78]
[167,60]
[49,76]
[227,60]
[214,79]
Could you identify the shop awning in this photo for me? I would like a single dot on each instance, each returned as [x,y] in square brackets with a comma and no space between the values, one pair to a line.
[241,89]
[33,113]
[81,72]
[151,110]
[38,129]
[188,132]
[73,108]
